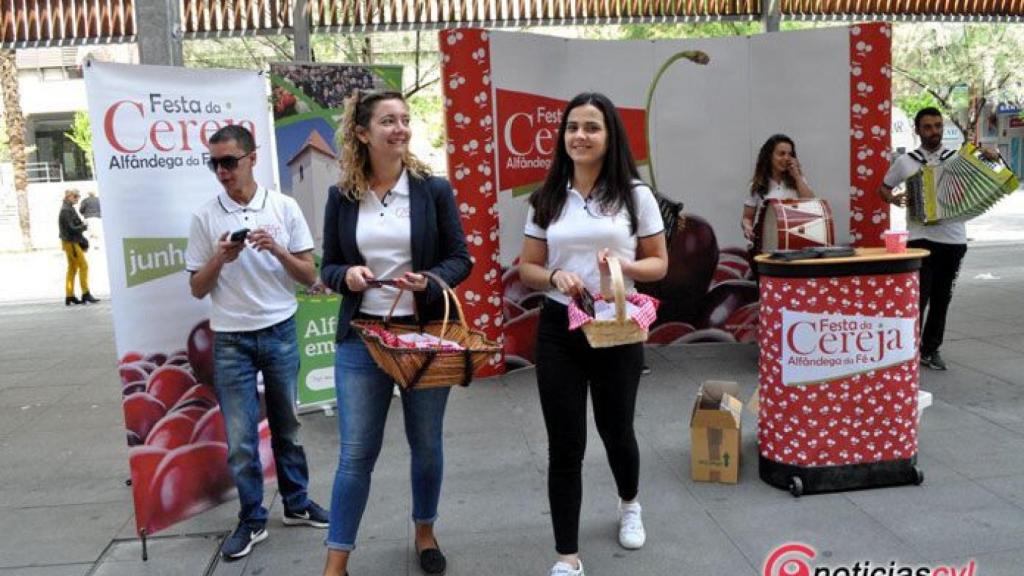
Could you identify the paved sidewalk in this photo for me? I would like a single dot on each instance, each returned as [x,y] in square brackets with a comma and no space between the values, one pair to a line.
[38,276]
[65,511]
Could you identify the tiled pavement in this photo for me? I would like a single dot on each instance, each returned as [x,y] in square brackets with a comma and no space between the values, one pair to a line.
[65,511]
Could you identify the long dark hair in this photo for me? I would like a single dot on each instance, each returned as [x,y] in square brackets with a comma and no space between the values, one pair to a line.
[763,168]
[614,186]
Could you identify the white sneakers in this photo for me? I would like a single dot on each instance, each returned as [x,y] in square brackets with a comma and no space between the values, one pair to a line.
[563,569]
[631,527]
[631,537]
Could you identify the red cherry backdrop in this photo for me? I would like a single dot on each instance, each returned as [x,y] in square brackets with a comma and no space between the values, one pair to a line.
[178,445]
[870,122]
[713,298]
[868,417]
[466,73]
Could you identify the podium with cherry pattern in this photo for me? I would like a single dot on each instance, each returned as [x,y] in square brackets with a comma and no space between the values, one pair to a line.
[838,371]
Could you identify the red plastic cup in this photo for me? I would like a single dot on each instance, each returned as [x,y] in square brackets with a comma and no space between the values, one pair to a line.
[896,241]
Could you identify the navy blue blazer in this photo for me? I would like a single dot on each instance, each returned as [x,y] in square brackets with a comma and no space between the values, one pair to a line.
[438,245]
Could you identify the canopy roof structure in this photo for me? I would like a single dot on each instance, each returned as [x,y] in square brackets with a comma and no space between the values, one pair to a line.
[27,23]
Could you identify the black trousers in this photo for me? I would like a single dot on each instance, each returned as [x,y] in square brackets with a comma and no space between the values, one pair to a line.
[938,276]
[566,368]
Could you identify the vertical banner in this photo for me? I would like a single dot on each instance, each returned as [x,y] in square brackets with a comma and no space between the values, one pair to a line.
[151,126]
[469,127]
[696,113]
[316,322]
[870,122]
[308,102]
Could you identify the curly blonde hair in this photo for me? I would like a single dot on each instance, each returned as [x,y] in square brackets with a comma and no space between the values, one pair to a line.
[355,156]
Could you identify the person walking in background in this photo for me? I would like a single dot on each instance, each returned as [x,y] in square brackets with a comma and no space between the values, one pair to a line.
[90,211]
[73,242]
[592,206]
[247,248]
[388,219]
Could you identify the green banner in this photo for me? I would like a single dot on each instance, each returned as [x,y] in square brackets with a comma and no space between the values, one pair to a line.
[316,323]
[147,259]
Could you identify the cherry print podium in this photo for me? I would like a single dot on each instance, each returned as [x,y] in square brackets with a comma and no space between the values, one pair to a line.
[838,371]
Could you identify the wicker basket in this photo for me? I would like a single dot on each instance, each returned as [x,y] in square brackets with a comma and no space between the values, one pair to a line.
[425,368]
[621,330]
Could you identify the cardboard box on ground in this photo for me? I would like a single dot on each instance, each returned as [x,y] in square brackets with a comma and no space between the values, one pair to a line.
[715,433]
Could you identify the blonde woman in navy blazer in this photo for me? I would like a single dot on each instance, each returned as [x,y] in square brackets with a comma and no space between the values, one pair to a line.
[387,219]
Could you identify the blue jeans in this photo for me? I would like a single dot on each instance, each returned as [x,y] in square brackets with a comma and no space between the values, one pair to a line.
[238,356]
[364,396]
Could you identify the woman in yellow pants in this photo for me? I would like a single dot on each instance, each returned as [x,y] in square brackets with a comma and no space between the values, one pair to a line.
[72,240]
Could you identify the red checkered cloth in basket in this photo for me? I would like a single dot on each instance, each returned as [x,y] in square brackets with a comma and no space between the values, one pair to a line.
[646,314]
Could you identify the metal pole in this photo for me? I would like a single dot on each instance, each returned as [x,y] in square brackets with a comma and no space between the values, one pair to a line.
[771,16]
[159,32]
[300,27]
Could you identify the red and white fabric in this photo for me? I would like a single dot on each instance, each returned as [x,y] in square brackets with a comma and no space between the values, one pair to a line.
[644,314]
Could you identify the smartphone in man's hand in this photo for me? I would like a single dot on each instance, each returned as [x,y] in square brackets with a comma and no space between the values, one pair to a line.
[239,235]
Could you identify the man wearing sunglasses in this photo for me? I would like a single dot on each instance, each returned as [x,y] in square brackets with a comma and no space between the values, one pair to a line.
[250,277]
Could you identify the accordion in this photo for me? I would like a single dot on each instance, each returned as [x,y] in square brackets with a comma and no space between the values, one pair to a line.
[962,186]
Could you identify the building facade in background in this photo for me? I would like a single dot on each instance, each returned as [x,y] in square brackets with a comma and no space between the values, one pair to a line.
[52,91]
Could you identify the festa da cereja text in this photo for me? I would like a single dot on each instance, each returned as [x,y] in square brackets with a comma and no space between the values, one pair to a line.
[149,133]
[537,135]
[819,347]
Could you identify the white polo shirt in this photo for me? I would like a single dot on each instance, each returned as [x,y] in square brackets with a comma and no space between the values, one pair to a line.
[776,191]
[943,232]
[384,238]
[254,291]
[581,230]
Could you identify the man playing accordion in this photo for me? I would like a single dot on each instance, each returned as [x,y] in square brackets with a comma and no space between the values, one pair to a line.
[946,240]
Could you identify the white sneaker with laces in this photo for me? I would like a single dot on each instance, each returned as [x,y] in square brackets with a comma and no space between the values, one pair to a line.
[631,527]
[563,569]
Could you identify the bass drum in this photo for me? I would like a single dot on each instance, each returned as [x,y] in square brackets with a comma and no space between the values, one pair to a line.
[796,224]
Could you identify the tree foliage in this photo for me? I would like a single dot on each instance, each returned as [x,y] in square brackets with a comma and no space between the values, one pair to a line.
[5,148]
[667,31]
[81,134]
[14,123]
[958,68]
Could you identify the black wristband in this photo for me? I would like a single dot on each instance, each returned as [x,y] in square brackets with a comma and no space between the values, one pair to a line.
[551,278]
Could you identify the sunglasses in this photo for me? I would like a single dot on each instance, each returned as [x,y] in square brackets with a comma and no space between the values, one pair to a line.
[227,162]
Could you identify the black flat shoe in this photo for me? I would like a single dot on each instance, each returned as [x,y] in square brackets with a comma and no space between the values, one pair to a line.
[88,298]
[432,561]
[69,300]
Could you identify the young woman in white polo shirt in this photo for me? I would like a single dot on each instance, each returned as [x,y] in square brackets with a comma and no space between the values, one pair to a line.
[777,176]
[592,205]
[387,220]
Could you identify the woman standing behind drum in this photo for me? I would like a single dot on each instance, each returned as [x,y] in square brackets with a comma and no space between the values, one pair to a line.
[777,176]
[592,206]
